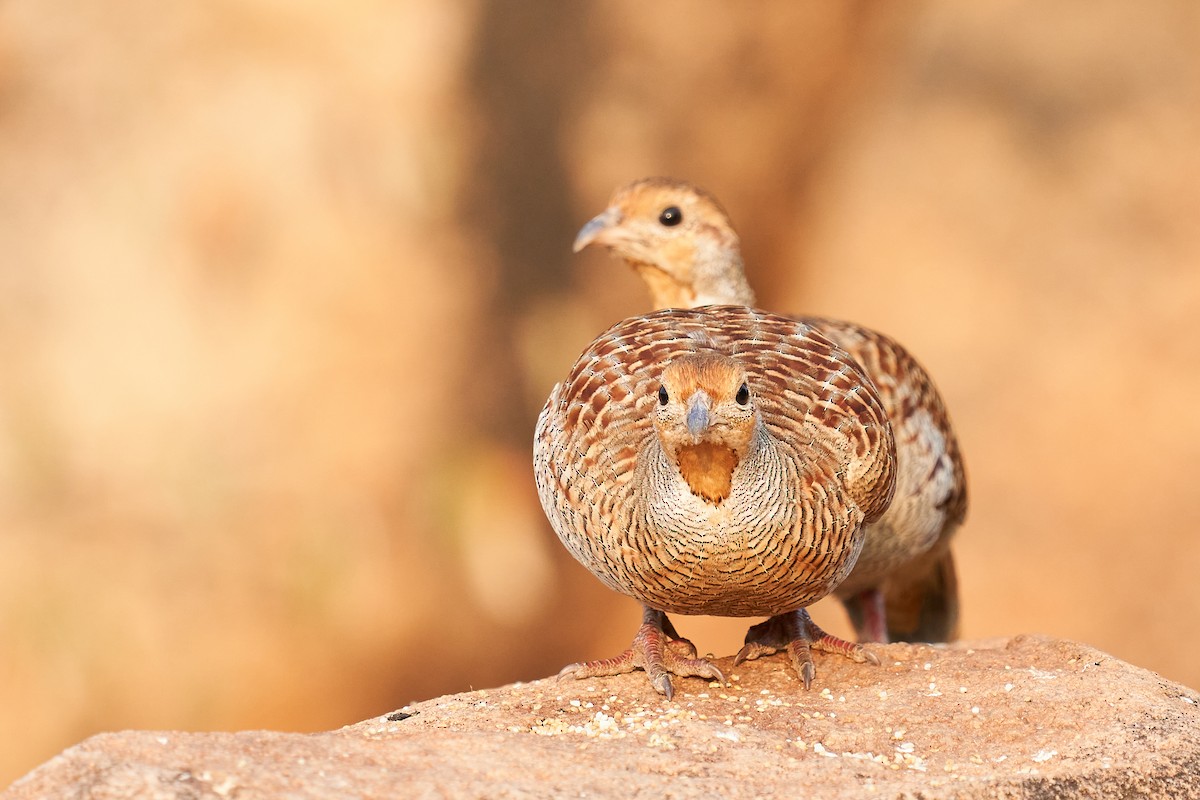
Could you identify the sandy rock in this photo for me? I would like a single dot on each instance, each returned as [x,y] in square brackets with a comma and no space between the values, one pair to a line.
[1028,717]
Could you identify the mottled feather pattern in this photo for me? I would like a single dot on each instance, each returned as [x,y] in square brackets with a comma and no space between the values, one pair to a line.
[931,485]
[690,257]
[790,528]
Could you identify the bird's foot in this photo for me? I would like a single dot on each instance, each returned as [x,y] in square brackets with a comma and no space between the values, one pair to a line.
[658,650]
[799,635]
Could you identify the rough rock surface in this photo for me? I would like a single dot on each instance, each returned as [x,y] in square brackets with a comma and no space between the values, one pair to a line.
[1029,717]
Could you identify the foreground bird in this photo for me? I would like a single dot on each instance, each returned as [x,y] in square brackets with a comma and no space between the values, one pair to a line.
[716,461]
[903,588]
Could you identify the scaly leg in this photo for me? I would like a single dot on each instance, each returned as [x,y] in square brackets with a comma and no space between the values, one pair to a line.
[868,613]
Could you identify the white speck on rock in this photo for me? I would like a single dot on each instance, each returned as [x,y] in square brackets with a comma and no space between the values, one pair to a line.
[225,787]
[1044,755]
[819,749]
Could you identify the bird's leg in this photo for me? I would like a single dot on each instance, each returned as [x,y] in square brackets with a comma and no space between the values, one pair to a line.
[868,613]
[799,635]
[658,649]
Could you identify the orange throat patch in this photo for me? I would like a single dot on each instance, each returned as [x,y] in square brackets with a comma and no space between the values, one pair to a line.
[665,290]
[708,470]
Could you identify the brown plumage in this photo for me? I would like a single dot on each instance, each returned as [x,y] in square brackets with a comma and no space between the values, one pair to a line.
[679,239]
[715,461]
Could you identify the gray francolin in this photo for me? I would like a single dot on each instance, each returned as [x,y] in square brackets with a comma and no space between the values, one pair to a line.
[904,586]
[716,461]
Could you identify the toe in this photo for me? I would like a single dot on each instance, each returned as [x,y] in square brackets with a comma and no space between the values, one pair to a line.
[753,650]
[683,647]
[600,669]
[807,673]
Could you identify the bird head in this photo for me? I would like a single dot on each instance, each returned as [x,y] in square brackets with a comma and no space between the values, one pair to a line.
[706,419]
[678,237]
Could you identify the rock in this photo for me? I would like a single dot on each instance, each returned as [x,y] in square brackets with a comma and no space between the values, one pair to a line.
[1029,717]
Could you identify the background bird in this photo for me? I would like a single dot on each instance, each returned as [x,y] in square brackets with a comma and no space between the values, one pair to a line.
[716,461]
[679,239]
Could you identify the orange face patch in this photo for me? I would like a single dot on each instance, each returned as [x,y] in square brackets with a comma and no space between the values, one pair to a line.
[708,470]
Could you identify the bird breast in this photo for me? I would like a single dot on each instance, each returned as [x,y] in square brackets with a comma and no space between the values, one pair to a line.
[763,550]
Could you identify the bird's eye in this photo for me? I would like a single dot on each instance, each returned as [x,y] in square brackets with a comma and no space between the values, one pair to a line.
[662,396]
[671,216]
[743,395]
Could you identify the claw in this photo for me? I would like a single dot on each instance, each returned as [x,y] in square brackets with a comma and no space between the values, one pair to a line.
[662,685]
[706,670]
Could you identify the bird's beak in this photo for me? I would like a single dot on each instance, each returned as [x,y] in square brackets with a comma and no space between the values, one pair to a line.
[697,415]
[593,232]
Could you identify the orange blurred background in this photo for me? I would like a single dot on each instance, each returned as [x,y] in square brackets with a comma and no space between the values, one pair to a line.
[285,285]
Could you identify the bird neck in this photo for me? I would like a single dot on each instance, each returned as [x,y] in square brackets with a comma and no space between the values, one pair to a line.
[666,291]
[714,275]
[719,275]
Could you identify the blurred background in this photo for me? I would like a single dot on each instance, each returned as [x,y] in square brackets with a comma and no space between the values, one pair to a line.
[283,287]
